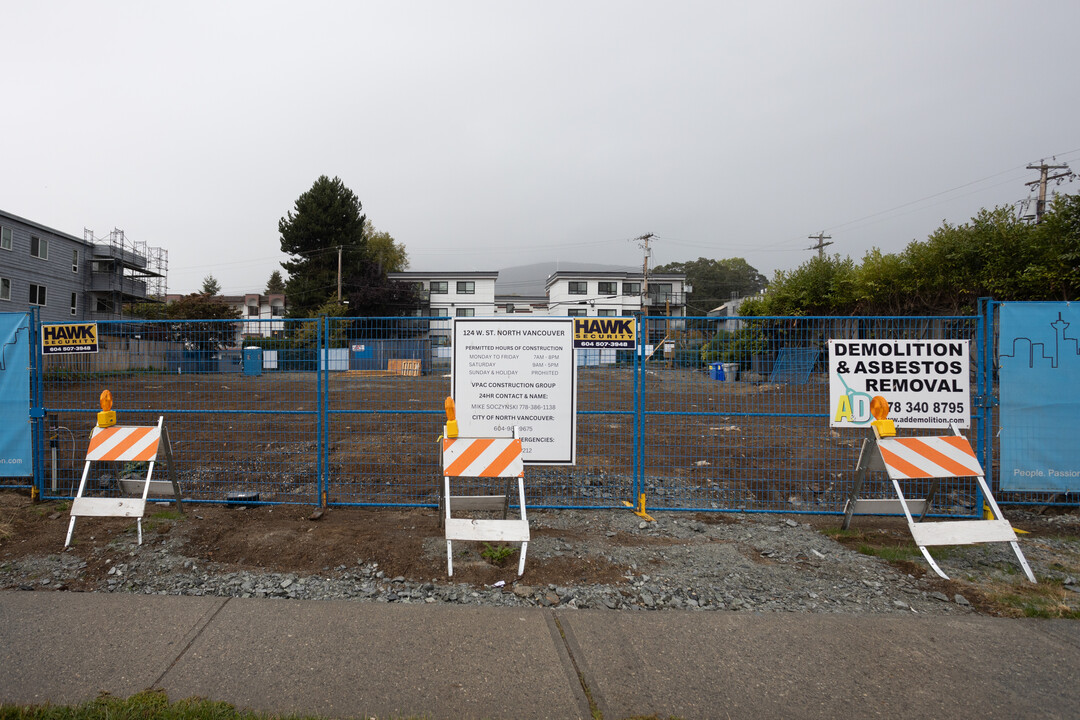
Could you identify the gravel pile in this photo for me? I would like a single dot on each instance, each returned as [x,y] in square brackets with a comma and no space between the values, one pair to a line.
[742,562]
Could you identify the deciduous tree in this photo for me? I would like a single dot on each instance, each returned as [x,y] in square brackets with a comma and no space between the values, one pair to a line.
[714,281]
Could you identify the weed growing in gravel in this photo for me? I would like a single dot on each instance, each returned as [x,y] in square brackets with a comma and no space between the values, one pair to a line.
[890,553]
[1048,599]
[497,555]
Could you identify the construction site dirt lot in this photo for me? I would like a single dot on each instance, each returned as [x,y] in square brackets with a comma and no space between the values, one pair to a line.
[580,550]
[700,443]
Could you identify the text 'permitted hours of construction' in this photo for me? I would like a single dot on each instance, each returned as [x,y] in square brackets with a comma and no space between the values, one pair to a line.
[518,373]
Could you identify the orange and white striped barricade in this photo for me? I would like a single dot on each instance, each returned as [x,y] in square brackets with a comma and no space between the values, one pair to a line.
[930,458]
[123,444]
[483,458]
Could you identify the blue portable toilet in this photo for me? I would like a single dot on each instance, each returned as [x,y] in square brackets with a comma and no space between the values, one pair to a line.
[253,360]
[716,371]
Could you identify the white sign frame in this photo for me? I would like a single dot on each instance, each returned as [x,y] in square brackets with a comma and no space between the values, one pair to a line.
[517,372]
[927,383]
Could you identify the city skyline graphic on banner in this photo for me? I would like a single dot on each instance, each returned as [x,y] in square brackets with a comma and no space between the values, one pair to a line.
[1064,348]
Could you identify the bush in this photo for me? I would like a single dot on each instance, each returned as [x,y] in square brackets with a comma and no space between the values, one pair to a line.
[735,347]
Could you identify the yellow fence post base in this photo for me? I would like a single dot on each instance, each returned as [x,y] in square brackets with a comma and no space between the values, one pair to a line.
[640,509]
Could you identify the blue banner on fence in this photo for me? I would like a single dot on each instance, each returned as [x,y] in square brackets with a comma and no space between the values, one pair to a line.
[1039,356]
[15,445]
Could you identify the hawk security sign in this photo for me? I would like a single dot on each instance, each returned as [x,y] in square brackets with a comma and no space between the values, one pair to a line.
[69,338]
[605,333]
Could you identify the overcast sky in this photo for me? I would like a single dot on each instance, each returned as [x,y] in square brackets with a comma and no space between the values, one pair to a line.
[488,135]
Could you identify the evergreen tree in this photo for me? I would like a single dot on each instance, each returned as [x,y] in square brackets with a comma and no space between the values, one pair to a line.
[325,218]
[210,286]
[275,285]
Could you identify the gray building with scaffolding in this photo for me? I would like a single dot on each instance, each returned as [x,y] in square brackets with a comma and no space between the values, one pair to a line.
[68,278]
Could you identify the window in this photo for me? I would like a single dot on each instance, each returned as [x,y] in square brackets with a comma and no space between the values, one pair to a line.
[37,294]
[74,302]
[5,238]
[606,288]
[577,312]
[39,248]
[277,311]
[440,340]
[631,288]
[439,287]
[660,291]
[74,261]
[605,313]
[578,287]
[253,310]
[466,287]
[466,312]
[5,289]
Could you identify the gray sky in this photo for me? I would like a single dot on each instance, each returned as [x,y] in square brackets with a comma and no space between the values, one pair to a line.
[494,134]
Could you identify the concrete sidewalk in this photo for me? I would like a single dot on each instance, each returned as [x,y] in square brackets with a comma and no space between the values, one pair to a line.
[349,659]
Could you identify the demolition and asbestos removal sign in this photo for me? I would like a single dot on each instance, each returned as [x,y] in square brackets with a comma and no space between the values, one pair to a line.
[69,338]
[926,382]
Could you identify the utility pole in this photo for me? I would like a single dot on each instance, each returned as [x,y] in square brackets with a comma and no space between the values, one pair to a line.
[821,237]
[339,274]
[643,243]
[1045,177]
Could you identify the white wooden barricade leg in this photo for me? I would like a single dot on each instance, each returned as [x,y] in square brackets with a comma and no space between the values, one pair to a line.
[122,444]
[933,458]
[488,458]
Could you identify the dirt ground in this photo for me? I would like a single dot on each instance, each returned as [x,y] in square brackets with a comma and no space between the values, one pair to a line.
[706,444]
[408,543]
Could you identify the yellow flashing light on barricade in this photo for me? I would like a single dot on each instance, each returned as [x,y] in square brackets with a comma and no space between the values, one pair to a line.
[451,419]
[879,408]
[107,416]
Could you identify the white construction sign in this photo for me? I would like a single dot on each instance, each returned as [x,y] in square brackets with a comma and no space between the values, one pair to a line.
[926,382]
[518,372]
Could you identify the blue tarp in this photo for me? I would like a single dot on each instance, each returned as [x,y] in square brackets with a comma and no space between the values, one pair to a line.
[15,444]
[1039,375]
[794,365]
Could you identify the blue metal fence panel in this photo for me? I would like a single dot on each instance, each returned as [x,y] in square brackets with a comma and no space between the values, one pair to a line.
[233,435]
[319,426]
[760,439]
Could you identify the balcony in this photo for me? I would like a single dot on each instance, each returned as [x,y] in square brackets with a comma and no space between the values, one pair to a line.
[113,283]
[127,258]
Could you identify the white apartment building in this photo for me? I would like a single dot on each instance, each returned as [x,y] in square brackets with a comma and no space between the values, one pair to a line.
[453,294]
[611,294]
[267,310]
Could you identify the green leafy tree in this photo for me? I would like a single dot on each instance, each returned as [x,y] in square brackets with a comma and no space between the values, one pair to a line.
[275,285]
[325,218]
[198,321]
[714,281]
[385,252]
[372,294]
[995,254]
[1056,243]
[820,286]
[210,286]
